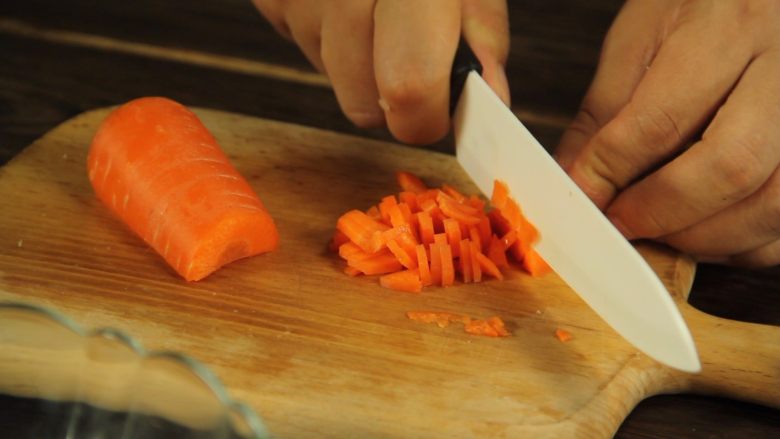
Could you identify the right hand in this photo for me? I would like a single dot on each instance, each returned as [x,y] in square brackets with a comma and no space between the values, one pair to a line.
[389,61]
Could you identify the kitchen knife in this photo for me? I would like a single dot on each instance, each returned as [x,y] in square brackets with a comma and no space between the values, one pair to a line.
[576,239]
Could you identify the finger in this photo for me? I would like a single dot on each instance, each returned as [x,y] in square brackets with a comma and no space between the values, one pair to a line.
[738,153]
[414,45]
[485,26]
[670,103]
[751,223]
[764,256]
[628,49]
[347,55]
[304,19]
[273,11]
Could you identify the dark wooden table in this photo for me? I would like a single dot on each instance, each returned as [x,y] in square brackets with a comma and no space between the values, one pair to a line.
[59,58]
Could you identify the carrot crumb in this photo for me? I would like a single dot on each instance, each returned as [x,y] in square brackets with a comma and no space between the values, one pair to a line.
[563,335]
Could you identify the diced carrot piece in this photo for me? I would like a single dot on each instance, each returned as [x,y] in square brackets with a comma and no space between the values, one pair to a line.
[476,202]
[452,192]
[476,270]
[338,238]
[396,215]
[465,261]
[500,194]
[350,250]
[384,207]
[401,254]
[563,335]
[452,230]
[497,252]
[447,267]
[352,271]
[410,199]
[535,265]
[487,266]
[485,231]
[475,237]
[380,262]
[361,229]
[374,213]
[423,266]
[410,182]
[406,280]
[491,327]
[426,227]
[435,259]
[452,209]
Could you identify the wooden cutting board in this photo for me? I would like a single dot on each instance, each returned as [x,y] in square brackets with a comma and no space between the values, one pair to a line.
[318,353]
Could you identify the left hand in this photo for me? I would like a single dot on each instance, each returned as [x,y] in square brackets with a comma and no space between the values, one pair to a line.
[678,137]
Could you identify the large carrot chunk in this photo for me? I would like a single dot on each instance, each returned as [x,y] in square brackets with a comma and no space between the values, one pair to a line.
[159,169]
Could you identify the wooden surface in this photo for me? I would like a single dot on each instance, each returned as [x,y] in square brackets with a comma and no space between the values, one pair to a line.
[289,333]
[61,58]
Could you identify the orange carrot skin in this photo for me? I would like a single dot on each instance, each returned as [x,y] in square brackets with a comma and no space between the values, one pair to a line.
[159,169]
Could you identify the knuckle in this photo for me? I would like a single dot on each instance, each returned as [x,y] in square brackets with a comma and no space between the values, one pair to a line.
[739,169]
[409,88]
[364,118]
[655,127]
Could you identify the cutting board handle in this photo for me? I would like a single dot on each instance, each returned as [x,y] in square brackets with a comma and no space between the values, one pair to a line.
[739,360]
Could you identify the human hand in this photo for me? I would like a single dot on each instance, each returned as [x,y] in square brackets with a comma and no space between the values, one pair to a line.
[389,61]
[678,137]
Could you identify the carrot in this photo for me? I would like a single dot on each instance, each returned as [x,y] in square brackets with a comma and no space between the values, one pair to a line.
[380,262]
[436,269]
[497,252]
[406,280]
[410,182]
[352,271]
[337,239]
[447,267]
[476,269]
[362,230]
[535,265]
[425,224]
[452,230]
[465,260]
[158,168]
[384,207]
[401,255]
[563,335]
[422,265]
[487,266]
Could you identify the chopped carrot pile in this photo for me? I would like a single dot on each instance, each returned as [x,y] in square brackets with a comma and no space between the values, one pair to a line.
[563,335]
[490,327]
[427,236]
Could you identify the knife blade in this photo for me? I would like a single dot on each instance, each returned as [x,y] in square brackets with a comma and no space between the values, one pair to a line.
[576,239]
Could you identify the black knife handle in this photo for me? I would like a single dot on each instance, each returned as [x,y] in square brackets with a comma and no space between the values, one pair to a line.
[465,61]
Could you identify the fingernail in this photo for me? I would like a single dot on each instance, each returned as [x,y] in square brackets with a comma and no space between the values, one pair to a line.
[383,104]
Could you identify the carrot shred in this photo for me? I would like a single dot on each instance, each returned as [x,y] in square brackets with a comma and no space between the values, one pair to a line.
[410,182]
[563,335]
[497,252]
[476,269]
[535,265]
[373,212]
[362,230]
[452,192]
[486,265]
[352,271]
[447,267]
[405,280]
[380,262]
[441,318]
[384,207]
[425,223]
[410,199]
[465,261]
[500,194]
[452,230]
[475,237]
[401,254]
[423,266]
[491,327]
[436,268]
[338,238]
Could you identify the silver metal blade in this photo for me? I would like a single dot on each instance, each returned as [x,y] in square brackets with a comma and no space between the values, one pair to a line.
[576,239]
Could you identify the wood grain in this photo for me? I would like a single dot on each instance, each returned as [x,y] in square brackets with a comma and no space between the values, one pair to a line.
[314,351]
